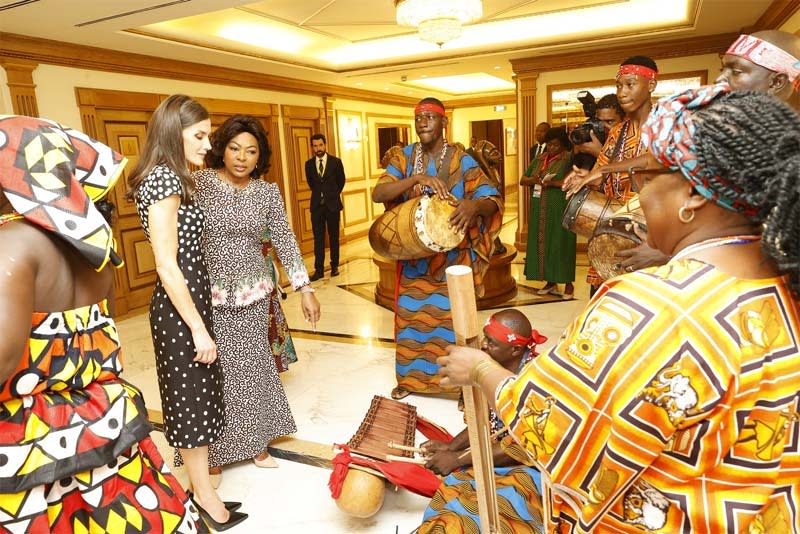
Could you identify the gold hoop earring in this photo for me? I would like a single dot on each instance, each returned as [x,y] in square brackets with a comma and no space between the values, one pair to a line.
[683,217]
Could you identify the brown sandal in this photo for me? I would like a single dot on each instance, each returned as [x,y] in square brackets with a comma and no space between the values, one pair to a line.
[399,393]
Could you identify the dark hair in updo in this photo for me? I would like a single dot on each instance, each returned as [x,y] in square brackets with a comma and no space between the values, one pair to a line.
[752,140]
[230,129]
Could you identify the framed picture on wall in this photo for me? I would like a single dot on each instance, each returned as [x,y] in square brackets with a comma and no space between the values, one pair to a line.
[511,141]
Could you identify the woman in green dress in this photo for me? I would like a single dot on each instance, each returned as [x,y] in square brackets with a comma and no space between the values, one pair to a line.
[551,249]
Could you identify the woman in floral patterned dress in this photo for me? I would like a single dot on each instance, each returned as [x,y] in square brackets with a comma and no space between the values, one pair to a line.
[239,207]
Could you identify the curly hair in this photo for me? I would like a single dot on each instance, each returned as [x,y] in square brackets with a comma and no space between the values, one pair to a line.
[231,128]
[611,101]
[753,141]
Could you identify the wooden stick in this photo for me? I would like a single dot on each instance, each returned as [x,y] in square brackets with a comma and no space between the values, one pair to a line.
[476,410]
[400,447]
[393,458]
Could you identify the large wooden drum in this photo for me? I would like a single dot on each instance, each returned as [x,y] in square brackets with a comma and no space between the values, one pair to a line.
[415,229]
[586,209]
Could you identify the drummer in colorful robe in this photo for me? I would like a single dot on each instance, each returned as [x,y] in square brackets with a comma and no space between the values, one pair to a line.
[636,81]
[511,342]
[423,323]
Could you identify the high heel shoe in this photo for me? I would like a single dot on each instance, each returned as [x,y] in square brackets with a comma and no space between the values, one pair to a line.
[231,506]
[234,518]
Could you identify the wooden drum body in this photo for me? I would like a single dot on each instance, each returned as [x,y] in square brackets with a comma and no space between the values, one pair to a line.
[415,229]
[611,236]
[586,209]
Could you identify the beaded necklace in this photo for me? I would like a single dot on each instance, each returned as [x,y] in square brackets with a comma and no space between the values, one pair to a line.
[419,167]
[716,242]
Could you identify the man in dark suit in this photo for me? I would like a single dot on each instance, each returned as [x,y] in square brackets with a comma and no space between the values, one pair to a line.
[540,146]
[325,177]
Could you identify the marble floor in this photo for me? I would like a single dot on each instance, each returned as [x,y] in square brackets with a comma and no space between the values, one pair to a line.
[342,365]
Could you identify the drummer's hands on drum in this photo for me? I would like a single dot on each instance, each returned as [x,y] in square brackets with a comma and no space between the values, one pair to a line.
[642,256]
[464,215]
[437,186]
[456,367]
[578,178]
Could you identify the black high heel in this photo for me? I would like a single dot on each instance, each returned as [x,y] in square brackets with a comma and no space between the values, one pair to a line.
[234,518]
[231,506]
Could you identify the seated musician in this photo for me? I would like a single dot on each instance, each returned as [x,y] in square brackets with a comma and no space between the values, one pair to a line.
[671,404]
[510,341]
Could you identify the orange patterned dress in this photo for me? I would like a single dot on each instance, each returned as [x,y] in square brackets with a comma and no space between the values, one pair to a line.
[75,451]
[671,404]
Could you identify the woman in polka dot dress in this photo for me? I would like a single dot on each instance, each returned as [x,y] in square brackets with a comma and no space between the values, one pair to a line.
[189,376]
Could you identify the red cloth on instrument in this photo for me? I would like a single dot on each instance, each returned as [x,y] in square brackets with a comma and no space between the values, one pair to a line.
[412,477]
[431,430]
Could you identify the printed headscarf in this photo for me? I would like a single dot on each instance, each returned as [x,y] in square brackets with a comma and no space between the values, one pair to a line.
[669,135]
[52,174]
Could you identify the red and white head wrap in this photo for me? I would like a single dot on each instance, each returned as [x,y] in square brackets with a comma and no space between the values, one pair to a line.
[767,55]
[504,334]
[422,107]
[637,70]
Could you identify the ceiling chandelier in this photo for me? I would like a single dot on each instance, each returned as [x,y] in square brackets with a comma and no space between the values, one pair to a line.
[438,21]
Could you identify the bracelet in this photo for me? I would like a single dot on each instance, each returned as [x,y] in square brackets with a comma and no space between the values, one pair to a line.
[307,289]
[481,369]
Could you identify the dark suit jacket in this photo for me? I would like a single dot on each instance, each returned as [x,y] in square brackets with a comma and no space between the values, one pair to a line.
[329,186]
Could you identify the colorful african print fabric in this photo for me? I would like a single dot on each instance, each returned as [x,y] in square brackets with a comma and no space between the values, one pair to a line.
[423,323]
[671,404]
[454,507]
[52,175]
[278,334]
[74,438]
[669,134]
[551,249]
[619,184]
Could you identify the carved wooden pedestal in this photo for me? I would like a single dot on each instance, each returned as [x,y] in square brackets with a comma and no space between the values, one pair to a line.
[499,285]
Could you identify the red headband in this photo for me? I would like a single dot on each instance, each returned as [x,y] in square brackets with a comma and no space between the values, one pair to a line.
[504,334]
[429,106]
[767,55]
[638,70]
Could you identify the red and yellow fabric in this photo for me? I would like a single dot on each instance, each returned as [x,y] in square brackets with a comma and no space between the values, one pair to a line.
[619,184]
[52,175]
[671,404]
[423,322]
[74,438]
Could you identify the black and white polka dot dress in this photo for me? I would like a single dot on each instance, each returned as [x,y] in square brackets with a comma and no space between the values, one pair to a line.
[191,393]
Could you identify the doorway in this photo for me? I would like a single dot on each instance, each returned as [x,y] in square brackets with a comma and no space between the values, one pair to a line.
[492,131]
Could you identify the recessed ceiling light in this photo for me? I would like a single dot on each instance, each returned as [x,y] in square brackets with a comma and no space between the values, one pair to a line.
[424,76]
[409,92]
[385,88]
[359,83]
[497,67]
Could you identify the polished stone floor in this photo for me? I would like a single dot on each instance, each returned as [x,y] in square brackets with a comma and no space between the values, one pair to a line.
[348,360]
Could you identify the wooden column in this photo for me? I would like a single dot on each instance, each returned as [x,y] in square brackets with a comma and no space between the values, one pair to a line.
[21,86]
[526,126]
[332,126]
